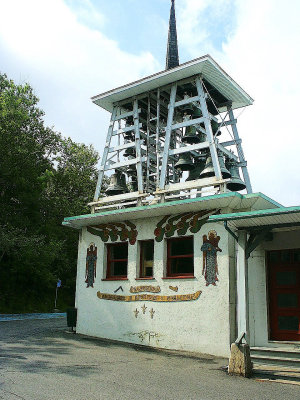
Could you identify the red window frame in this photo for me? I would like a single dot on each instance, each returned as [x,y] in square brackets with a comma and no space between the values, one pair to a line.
[110,260]
[169,258]
[141,242]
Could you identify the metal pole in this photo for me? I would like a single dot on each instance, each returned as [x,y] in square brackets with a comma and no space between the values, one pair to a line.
[55,297]
[138,149]
[209,132]
[164,167]
[105,153]
[240,150]
[157,136]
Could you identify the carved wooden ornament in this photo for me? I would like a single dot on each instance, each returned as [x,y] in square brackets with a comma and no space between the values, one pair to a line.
[180,224]
[151,289]
[210,248]
[150,297]
[115,232]
[90,269]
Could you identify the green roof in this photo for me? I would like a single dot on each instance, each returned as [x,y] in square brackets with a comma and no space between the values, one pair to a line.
[225,200]
[287,216]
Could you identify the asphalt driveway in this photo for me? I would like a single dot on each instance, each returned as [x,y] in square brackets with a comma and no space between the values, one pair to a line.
[40,360]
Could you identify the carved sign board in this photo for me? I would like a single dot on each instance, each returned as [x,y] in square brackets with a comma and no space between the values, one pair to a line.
[150,297]
[151,289]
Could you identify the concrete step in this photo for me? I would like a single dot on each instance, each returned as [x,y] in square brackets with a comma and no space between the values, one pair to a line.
[276,352]
[277,374]
[278,361]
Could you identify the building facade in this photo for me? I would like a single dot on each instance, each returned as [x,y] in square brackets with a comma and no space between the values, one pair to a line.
[172,256]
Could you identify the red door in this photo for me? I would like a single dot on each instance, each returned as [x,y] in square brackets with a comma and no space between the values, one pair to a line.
[284,294]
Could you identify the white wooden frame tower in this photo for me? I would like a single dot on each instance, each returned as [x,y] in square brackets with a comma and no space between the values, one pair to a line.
[158,126]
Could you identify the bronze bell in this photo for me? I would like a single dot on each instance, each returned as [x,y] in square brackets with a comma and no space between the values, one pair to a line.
[129,138]
[129,121]
[191,136]
[131,170]
[195,173]
[209,169]
[215,126]
[130,152]
[225,173]
[188,108]
[185,162]
[117,184]
[133,185]
[197,113]
[235,184]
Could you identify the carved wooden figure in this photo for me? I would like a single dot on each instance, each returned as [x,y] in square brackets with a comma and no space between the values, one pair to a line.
[210,248]
[91,260]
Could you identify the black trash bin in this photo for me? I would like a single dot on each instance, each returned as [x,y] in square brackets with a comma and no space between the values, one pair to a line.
[71,317]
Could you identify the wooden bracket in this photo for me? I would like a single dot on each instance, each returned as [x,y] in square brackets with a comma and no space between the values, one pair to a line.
[255,239]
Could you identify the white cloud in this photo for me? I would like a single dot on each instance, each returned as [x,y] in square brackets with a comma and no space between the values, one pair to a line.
[263,56]
[44,43]
[52,47]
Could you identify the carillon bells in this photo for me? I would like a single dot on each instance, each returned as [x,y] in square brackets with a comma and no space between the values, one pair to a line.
[215,126]
[191,136]
[130,152]
[117,184]
[188,108]
[235,184]
[131,170]
[224,171]
[129,138]
[195,173]
[133,185]
[209,168]
[185,162]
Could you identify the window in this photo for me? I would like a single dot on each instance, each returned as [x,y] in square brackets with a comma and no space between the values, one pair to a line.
[146,258]
[180,261]
[117,258]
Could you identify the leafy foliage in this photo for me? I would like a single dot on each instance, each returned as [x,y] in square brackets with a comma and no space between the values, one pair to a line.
[43,178]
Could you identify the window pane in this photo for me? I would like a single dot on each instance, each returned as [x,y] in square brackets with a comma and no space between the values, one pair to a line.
[148,249]
[182,265]
[147,252]
[287,300]
[118,268]
[119,251]
[286,278]
[288,323]
[181,247]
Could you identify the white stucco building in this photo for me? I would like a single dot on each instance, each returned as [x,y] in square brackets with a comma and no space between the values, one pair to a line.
[240,299]
[161,262]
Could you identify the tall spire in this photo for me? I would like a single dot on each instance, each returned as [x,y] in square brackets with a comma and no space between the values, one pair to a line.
[172,59]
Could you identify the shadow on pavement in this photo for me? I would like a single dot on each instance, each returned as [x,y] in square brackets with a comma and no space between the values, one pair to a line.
[37,346]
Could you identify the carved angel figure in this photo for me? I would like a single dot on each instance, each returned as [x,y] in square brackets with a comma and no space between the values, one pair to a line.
[210,248]
[91,260]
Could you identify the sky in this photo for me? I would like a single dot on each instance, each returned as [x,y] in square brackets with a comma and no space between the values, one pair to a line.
[71,50]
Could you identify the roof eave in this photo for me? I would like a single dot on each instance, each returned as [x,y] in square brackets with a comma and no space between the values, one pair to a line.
[123,92]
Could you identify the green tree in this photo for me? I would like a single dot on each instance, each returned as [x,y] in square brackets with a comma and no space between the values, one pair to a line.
[43,178]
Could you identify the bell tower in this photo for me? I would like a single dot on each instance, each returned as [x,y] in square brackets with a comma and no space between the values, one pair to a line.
[172,135]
